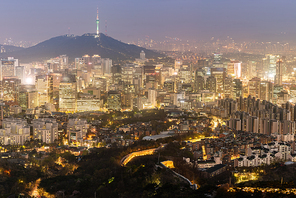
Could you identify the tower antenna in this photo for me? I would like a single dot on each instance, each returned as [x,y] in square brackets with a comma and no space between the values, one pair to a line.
[98,22]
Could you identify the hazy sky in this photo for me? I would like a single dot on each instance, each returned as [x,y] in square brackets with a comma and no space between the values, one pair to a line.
[38,20]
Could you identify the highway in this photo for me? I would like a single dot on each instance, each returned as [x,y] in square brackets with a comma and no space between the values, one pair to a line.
[126,159]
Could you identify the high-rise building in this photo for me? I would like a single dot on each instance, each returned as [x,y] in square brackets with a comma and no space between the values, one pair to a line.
[79,63]
[64,59]
[271,65]
[100,83]
[86,59]
[152,97]
[43,86]
[8,67]
[127,74]
[234,69]
[116,74]
[10,89]
[128,96]
[28,98]
[251,69]
[106,65]
[237,88]
[199,83]
[228,87]
[211,84]
[264,90]
[178,64]
[279,72]
[219,74]
[185,74]
[20,73]
[68,95]
[152,78]
[54,88]
[217,61]
[254,87]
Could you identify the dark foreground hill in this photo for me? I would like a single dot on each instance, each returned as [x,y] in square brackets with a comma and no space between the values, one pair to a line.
[77,46]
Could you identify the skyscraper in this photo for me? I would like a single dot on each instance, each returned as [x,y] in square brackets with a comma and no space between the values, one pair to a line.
[106,66]
[217,61]
[68,95]
[237,88]
[20,73]
[152,97]
[28,98]
[211,84]
[42,84]
[228,87]
[10,88]
[199,83]
[279,72]
[234,69]
[254,87]
[64,59]
[219,74]
[264,90]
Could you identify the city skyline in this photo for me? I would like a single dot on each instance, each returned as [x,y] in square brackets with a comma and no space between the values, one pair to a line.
[127,20]
[179,99]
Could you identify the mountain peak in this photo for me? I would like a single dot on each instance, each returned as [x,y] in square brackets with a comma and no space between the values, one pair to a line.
[77,46]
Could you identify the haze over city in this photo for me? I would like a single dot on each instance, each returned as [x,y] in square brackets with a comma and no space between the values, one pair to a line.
[36,21]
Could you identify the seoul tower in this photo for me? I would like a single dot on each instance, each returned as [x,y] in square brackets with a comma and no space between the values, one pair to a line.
[98,22]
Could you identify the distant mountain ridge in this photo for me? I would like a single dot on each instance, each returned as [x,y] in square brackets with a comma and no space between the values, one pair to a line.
[77,46]
[10,48]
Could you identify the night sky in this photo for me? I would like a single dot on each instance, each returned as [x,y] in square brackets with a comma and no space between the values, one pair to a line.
[38,20]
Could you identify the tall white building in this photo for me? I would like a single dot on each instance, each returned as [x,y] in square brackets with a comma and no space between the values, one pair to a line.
[152,97]
[106,65]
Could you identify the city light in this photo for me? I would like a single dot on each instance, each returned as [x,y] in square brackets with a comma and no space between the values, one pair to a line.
[29,81]
[86,113]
